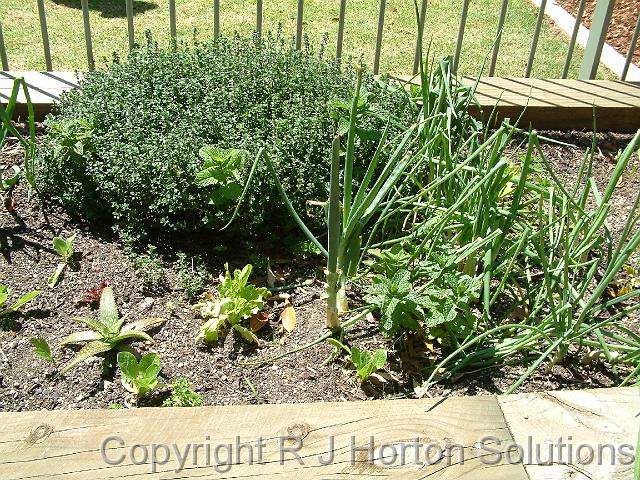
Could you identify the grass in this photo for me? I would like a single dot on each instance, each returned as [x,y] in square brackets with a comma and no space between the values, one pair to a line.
[109,28]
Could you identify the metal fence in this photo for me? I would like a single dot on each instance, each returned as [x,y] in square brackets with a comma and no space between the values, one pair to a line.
[593,50]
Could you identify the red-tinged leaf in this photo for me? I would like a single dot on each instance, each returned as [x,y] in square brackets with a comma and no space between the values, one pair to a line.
[92,295]
[258,321]
[288,317]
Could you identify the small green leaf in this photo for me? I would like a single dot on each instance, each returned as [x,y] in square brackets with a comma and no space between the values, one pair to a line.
[55,276]
[24,299]
[42,349]
[128,364]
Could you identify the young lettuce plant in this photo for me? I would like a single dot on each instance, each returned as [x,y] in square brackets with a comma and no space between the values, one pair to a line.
[108,331]
[64,248]
[5,293]
[139,378]
[349,215]
[236,302]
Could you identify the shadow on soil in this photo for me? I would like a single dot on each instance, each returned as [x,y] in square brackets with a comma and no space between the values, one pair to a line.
[110,8]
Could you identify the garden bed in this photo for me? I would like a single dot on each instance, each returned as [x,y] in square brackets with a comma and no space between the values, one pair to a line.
[216,372]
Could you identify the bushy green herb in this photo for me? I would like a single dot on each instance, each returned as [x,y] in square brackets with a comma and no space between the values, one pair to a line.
[5,293]
[139,378]
[401,308]
[142,123]
[148,268]
[108,331]
[116,406]
[64,248]
[236,301]
[192,276]
[182,395]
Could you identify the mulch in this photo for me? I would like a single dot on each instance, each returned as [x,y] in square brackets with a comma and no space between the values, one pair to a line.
[623,22]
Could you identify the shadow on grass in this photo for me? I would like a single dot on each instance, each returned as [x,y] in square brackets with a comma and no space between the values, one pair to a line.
[111,8]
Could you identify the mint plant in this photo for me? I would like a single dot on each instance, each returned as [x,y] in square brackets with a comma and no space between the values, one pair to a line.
[139,378]
[5,293]
[64,248]
[221,177]
[236,301]
[401,307]
[108,331]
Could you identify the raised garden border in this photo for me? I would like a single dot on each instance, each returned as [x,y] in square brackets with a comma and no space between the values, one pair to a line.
[67,444]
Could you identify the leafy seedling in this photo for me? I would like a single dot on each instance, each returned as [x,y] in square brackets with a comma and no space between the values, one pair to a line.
[64,248]
[42,349]
[236,301]
[366,363]
[11,181]
[182,395]
[5,293]
[139,378]
[108,331]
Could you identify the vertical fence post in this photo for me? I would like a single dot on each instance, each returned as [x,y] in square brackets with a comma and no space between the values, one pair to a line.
[173,29]
[132,38]
[259,17]
[299,24]
[463,23]
[574,37]
[376,56]
[216,18]
[3,51]
[536,37]
[496,45]
[45,35]
[87,34]
[340,39]
[632,48]
[418,55]
[597,35]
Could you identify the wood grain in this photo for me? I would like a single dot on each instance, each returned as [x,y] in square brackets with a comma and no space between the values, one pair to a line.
[66,444]
[584,417]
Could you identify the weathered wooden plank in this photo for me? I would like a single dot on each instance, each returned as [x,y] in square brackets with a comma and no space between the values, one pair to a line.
[68,443]
[596,419]
[558,103]
[547,103]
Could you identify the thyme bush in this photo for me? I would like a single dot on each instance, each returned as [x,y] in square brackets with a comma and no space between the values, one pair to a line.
[124,147]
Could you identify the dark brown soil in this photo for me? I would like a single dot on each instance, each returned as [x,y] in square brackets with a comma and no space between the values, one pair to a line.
[623,22]
[27,260]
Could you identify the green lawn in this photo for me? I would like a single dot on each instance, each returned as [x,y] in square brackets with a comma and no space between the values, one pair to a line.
[108,23]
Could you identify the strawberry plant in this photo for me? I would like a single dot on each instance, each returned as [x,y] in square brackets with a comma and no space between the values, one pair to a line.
[107,332]
[236,301]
